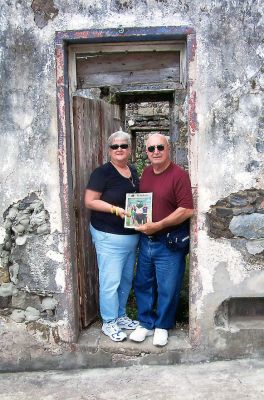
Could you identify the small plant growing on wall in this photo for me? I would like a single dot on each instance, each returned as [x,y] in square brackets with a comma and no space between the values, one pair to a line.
[141,164]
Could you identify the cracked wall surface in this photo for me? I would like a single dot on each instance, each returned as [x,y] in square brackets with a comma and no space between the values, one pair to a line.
[228,89]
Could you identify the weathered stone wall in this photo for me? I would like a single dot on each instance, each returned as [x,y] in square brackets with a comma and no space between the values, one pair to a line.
[240,217]
[229,157]
[30,264]
[143,119]
[149,117]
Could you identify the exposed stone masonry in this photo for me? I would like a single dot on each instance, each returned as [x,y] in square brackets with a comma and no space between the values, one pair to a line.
[44,11]
[143,119]
[240,217]
[23,221]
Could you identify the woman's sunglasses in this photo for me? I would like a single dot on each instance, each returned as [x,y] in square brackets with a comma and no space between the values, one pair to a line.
[116,146]
[159,147]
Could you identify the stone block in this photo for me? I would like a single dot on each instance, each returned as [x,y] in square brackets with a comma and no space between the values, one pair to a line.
[49,303]
[248,226]
[243,210]
[8,289]
[32,314]
[18,315]
[260,205]
[23,300]
[4,302]
[238,200]
[4,275]
[223,211]
[147,111]
[255,246]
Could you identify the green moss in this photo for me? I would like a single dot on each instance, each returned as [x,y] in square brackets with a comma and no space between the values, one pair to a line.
[141,164]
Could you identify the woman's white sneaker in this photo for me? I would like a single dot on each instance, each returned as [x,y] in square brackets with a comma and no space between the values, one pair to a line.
[112,330]
[126,323]
[140,334]
[160,337]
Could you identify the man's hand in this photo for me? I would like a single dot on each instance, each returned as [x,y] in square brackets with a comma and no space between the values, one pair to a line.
[149,228]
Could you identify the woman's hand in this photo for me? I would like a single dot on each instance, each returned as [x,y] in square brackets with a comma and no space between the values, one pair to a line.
[120,212]
[94,202]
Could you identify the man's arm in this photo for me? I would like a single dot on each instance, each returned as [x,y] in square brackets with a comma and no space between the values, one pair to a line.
[175,218]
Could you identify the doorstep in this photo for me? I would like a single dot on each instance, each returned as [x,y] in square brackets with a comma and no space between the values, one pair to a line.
[127,353]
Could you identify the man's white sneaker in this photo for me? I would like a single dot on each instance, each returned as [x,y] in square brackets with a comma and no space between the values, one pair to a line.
[126,323]
[140,334]
[160,337]
[112,330]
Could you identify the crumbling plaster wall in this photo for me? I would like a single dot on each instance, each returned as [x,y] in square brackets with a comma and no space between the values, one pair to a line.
[230,161]
[29,167]
[228,85]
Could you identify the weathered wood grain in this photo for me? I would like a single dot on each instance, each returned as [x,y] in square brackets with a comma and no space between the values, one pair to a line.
[127,68]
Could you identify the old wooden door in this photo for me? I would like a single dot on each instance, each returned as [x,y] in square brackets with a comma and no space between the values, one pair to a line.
[94,121]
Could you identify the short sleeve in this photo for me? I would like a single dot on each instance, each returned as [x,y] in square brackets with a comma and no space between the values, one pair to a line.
[97,181]
[183,191]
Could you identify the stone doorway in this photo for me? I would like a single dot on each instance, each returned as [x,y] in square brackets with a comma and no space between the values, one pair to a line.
[82,82]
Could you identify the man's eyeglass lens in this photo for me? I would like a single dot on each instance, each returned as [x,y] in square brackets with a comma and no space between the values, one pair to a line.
[159,147]
[116,146]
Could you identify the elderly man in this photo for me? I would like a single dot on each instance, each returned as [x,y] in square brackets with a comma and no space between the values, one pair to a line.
[163,243]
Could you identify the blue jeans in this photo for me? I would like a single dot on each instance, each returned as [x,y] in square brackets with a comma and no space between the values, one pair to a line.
[116,256]
[158,282]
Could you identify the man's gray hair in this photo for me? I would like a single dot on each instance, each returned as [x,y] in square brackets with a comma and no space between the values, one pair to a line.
[119,135]
[158,134]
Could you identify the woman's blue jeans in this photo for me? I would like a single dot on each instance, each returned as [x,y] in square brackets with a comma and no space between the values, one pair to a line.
[158,282]
[116,256]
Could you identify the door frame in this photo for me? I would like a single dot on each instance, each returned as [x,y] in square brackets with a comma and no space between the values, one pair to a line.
[64,69]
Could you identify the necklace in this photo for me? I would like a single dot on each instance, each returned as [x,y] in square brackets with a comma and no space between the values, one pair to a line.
[126,174]
[124,171]
[132,181]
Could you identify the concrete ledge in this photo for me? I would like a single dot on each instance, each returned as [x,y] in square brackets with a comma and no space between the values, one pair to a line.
[95,350]
[128,352]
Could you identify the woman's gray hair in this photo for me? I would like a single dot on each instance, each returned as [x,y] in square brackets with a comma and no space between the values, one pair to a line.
[119,135]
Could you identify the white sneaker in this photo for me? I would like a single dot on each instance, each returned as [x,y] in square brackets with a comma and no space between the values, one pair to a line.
[160,337]
[112,330]
[140,334]
[126,323]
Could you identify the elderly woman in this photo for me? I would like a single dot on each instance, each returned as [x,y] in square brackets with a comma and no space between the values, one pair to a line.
[115,245]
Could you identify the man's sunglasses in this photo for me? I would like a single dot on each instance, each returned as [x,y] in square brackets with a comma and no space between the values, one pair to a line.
[116,146]
[159,147]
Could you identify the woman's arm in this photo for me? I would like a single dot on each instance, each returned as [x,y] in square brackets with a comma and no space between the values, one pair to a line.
[92,200]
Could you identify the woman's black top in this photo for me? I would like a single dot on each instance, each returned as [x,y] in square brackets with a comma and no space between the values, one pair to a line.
[113,186]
